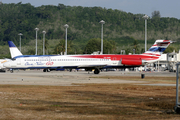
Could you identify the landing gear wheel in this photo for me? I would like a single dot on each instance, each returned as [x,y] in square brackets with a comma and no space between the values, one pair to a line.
[177,109]
[44,70]
[96,71]
[48,70]
[11,71]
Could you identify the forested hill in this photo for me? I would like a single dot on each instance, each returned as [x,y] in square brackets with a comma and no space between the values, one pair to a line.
[83,24]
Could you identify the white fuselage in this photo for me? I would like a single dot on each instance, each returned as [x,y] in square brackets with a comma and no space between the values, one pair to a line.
[58,61]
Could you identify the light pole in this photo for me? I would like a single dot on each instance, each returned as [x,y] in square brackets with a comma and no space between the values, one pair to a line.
[20,34]
[145,17]
[44,32]
[36,29]
[102,22]
[66,26]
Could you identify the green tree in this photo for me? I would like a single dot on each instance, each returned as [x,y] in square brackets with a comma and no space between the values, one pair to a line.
[136,46]
[156,14]
[60,47]
[170,49]
[127,50]
[142,50]
[83,25]
[31,52]
[46,46]
[94,45]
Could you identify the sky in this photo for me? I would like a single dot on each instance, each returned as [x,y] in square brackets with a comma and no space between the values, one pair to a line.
[167,8]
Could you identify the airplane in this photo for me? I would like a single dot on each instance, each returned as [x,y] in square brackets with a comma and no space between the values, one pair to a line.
[2,61]
[2,68]
[87,62]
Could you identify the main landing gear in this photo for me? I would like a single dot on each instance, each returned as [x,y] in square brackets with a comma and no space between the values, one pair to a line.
[46,70]
[11,70]
[96,71]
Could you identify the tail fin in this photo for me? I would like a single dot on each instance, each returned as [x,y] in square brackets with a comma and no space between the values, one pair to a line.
[159,47]
[13,50]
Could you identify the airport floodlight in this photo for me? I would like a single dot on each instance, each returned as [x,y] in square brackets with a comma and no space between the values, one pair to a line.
[102,22]
[145,17]
[66,26]
[36,29]
[20,34]
[44,32]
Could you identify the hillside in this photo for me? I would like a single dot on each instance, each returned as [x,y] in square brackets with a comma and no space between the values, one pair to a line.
[83,23]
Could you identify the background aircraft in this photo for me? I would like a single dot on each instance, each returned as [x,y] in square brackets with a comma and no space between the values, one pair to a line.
[87,62]
[2,68]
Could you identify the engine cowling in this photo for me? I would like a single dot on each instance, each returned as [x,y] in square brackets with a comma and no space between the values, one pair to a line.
[131,61]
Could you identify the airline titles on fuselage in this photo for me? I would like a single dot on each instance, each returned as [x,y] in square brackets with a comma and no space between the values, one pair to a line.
[36,63]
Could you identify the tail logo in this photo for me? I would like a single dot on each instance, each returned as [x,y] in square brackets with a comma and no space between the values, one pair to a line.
[159,47]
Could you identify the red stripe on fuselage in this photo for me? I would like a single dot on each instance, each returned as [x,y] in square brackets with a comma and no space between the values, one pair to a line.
[152,54]
[119,57]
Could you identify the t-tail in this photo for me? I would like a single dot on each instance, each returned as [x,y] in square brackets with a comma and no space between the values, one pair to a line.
[158,47]
[13,50]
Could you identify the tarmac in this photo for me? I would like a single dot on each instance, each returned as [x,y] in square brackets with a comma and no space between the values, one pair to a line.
[66,78]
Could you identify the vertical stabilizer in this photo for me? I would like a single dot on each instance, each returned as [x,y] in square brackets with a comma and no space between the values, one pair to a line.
[13,50]
[158,47]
